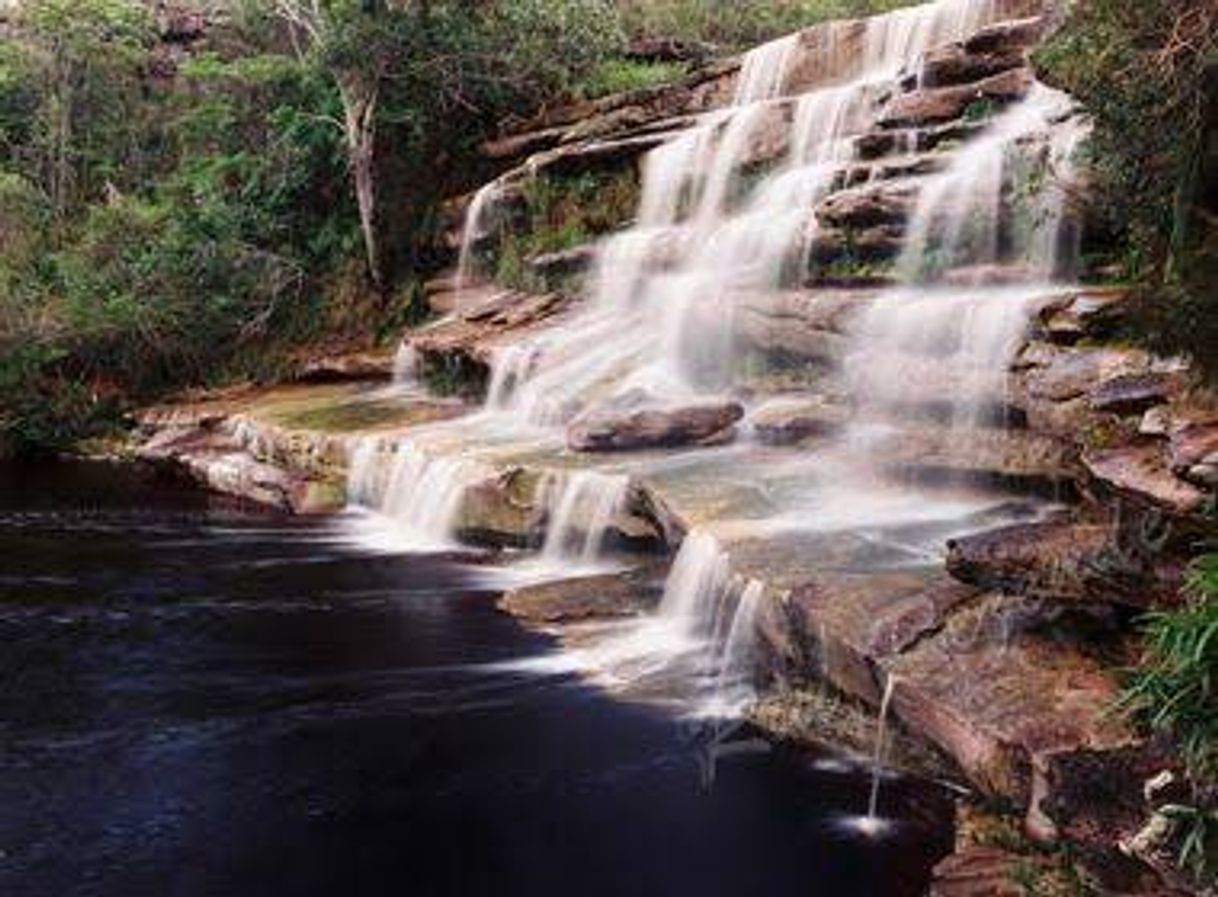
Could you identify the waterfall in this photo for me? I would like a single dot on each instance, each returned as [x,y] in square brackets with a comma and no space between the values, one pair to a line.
[406,365]
[477,223]
[420,495]
[946,337]
[661,318]
[582,507]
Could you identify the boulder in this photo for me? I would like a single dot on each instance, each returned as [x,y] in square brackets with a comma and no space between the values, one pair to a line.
[936,105]
[1025,714]
[1193,442]
[1127,394]
[867,208]
[955,65]
[606,596]
[612,429]
[1140,471]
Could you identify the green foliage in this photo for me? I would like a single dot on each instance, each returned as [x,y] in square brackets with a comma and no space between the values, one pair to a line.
[623,75]
[1175,690]
[736,25]
[1148,74]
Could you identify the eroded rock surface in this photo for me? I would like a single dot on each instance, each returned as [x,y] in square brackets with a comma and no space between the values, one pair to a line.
[610,429]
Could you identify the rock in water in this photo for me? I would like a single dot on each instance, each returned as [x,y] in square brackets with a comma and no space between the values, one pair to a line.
[612,429]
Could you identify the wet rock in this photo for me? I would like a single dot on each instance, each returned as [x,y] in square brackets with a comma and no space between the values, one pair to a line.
[807,325]
[1060,374]
[606,596]
[1134,393]
[1086,314]
[851,248]
[611,429]
[1140,471]
[489,317]
[1015,712]
[788,421]
[866,208]
[1007,36]
[1193,442]
[937,105]
[1065,561]
[555,266]
[956,65]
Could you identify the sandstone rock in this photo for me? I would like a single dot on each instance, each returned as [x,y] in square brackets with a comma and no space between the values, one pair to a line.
[955,65]
[1060,374]
[1141,471]
[610,429]
[343,368]
[937,105]
[980,872]
[1014,713]
[668,49]
[1006,36]
[1087,314]
[605,596]
[1065,560]
[1193,442]
[788,421]
[552,266]
[1134,393]
[866,208]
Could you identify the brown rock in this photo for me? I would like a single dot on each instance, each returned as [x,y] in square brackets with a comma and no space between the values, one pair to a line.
[606,596]
[1140,471]
[979,872]
[611,429]
[1065,561]
[866,208]
[785,422]
[937,105]
[1011,711]
[1192,442]
[1134,393]
[1007,36]
[955,65]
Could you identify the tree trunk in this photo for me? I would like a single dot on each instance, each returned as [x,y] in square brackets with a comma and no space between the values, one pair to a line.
[359,106]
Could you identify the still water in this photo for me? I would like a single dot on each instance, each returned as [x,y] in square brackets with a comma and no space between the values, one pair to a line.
[202,698]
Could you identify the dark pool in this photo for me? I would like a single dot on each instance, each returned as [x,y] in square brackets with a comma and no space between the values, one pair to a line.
[199,698]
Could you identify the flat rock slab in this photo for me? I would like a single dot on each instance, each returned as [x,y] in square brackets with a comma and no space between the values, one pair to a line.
[1065,560]
[603,596]
[1007,709]
[609,429]
[1141,471]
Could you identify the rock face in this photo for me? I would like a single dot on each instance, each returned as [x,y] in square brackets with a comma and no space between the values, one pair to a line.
[1066,561]
[609,429]
[606,596]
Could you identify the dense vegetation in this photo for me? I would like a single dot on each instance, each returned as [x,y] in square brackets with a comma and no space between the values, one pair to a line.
[177,214]
[167,224]
[1148,74]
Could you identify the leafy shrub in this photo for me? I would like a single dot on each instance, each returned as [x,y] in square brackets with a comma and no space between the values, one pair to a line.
[1148,75]
[736,25]
[1175,690]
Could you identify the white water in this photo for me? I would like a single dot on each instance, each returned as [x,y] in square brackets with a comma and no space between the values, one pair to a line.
[582,507]
[418,495]
[477,223]
[659,323]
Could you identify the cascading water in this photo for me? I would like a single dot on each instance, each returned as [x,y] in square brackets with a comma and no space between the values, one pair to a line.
[582,507]
[718,219]
[420,495]
[661,317]
[477,222]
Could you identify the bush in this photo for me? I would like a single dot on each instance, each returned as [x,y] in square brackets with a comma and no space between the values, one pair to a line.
[1175,690]
[736,25]
[1148,75]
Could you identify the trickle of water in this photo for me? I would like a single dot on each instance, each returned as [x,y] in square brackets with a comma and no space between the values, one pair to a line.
[406,364]
[582,507]
[877,758]
[477,223]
